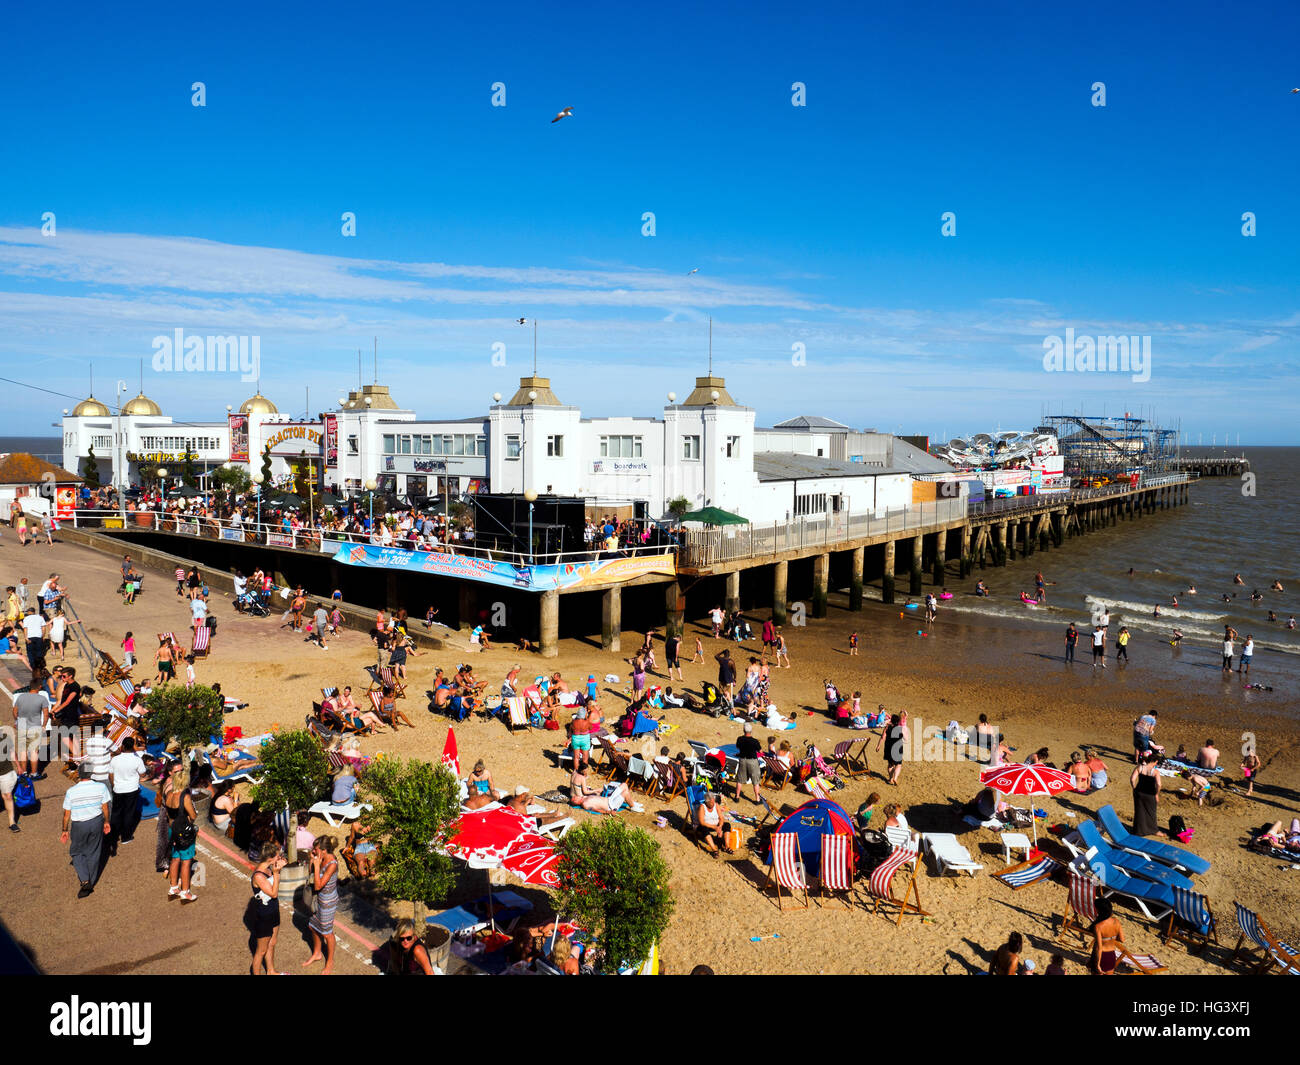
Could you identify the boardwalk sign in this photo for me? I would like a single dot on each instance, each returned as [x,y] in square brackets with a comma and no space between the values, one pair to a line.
[592,573]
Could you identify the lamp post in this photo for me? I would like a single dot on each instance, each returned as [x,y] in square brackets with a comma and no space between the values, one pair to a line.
[162,481]
[371,484]
[531,496]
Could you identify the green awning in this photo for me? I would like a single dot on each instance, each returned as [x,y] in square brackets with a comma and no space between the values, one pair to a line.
[714,516]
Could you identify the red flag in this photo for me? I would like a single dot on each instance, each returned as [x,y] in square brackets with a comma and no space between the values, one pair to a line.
[450,755]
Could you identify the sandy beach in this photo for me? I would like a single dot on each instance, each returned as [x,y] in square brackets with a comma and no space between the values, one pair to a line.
[956,672]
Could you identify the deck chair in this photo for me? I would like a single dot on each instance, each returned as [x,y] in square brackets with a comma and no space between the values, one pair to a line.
[880,886]
[617,762]
[816,788]
[1141,865]
[775,771]
[1154,900]
[853,763]
[348,812]
[338,723]
[667,783]
[948,854]
[1026,873]
[901,838]
[321,731]
[1270,951]
[1140,964]
[516,713]
[115,705]
[169,636]
[694,796]
[1191,921]
[640,773]
[1081,910]
[785,869]
[835,873]
[386,677]
[119,728]
[201,639]
[108,670]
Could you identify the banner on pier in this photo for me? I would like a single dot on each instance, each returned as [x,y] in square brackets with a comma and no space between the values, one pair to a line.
[589,573]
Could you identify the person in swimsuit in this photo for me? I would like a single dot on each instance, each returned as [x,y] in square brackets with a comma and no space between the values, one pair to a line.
[325,882]
[222,810]
[166,663]
[1107,939]
[580,739]
[480,782]
[593,800]
[264,912]
[406,955]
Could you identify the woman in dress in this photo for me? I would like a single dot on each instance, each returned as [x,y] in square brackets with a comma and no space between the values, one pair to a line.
[1146,793]
[325,882]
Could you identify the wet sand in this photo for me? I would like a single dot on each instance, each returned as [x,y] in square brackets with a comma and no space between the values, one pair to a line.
[956,672]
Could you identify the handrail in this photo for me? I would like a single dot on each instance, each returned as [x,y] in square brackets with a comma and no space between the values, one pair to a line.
[78,630]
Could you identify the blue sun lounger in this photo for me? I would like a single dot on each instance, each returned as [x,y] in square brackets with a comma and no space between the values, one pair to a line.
[1154,900]
[1137,864]
[1149,848]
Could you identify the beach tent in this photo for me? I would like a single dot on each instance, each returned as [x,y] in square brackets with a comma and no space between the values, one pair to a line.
[714,516]
[815,819]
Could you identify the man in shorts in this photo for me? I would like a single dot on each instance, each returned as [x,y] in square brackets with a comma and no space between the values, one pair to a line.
[34,629]
[31,715]
[749,768]
[672,647]
[1098,647]
[198,612]
[320,620]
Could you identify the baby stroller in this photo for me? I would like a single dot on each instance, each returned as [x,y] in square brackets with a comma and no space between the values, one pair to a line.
[716,701]
[252,605]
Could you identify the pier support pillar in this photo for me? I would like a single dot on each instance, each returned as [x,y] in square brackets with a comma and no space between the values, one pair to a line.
[548,623]
[855,579]
[466,605]
[733,590]
[1000,544]
[941,559]
[914,581]
[780,574]
[674,610]
[611,618]
[964,566]
[887,579]
[390,590]
[1027,540]
[821,581]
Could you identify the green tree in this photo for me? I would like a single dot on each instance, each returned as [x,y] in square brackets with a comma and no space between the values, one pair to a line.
[189,475]
[233,479]
[416,807]
[91,470]
[614,881]
[295,775]
[188,715]
[266,467]
[679,506]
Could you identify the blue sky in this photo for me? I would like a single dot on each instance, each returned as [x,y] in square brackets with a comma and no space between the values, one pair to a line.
[816,225]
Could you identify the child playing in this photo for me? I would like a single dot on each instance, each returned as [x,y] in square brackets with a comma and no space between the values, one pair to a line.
[336,621]
[699,651]
[429,615]
[853,643]
[129,598]
[189,671]
[128,651]
[180,581]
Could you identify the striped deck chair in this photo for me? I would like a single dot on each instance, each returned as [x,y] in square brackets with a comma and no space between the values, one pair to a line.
[786,869]
[516,713]
[171,636]
[1140,964]
[853,763]
[880,886]
[1026,873]
[118,729]
[115,705]
[836,870]
[775,770]
[1191,921]
[377,701]
[668,783]
[816,788]
[1270,951]
[202,637]
[385,677]
[1082,909]
[128,690]
[336,760]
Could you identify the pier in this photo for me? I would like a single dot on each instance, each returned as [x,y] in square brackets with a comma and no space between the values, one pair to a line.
[785,567]
[1213,466]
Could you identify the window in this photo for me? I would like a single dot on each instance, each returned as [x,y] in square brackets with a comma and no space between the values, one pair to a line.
[352,445]
[455,444]
[512,446]
[733,447]
[403,445]
[555,447]
[620,447]
[691,447]
[389,446]
[810,504]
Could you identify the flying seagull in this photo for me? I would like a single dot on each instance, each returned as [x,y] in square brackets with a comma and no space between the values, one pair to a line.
[522,321]
[695,271]
[1295,90]
[563,114]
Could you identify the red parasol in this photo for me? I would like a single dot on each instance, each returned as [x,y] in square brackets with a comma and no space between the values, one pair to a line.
[1027,780]
[450,755]
[532,858]
[487,835]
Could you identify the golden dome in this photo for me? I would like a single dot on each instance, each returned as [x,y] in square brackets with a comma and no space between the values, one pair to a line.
[258,404]
[90,408]
[142,404]
[378,397]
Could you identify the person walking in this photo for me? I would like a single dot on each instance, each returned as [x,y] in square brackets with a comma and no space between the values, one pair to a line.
[726,672]
[31,716]
[749,768]
[85,824]
[1145,781]
[1121,642]
[1247,653]
[264,911]
[320,620]
[35,629]
[672,648]
[9,773]
[182,835]
[124,773]
[1099,647]
[1071,642]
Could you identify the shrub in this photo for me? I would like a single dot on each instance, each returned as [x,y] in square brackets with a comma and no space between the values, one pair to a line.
[188,715]
[614,882]
[295,772]
[416,807]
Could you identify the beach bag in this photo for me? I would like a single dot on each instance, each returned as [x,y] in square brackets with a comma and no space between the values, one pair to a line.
[310,898]
[183,835]
[731,839]
[625,726]
[1178,826]
[551,724]
[859,722]
[24,793]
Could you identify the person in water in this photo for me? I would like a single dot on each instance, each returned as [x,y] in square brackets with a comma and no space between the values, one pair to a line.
[1277,586]
[1236,579]
[1176,638]
[1157,610]
[1191,589]
[981,588]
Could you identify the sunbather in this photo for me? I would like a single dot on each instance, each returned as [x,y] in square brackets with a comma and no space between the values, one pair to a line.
[1273,836]
[594,799]
[480,782]
[523,798]
[228,760]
